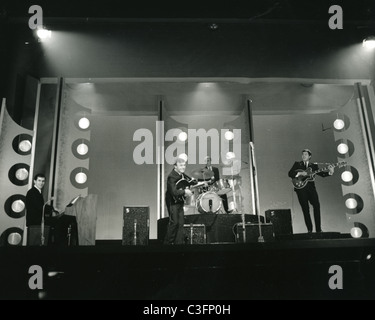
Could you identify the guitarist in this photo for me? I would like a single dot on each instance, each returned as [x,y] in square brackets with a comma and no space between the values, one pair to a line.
[308,193]
[175,204]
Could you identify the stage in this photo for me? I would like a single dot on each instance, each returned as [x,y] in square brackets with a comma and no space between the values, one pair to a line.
[283,269]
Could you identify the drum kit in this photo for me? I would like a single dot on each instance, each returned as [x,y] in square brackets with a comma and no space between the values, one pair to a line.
[207,197]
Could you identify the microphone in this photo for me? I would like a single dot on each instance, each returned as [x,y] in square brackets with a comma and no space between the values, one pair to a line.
[42,238]
[210,204]
[135,231]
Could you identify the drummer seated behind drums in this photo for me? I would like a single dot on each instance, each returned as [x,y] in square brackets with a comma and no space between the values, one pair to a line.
[215,179]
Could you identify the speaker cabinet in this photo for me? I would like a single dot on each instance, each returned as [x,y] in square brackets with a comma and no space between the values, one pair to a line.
[136,225]
[195,234]
[281,220]
[253,233]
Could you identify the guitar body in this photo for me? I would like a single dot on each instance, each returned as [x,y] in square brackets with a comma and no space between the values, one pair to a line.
[182,185]
[302,181]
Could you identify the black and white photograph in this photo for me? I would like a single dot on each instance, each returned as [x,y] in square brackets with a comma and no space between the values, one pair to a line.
[187,155]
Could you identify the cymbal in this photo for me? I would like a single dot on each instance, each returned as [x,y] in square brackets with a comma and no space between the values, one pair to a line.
[203,174]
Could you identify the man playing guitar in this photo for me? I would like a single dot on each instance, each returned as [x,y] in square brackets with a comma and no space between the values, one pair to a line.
[175,203]
[308,193]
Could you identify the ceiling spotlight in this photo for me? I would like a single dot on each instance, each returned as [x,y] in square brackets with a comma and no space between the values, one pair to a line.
[44,34]
[214,26]
[369,42]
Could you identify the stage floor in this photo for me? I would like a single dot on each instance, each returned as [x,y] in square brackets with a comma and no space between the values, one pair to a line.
[288,269]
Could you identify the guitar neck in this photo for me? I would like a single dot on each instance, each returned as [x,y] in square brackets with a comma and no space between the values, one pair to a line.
[326,168]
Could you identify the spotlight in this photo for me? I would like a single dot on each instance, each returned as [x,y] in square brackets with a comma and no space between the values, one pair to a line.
[25,146]
[183,136]
[369,42]
[214,26]
[81,178]
[14,239]
[339,124]
[84,123]
[356,232]
[82,149]
[368,258]
[342,148]
[44,34]
[347,176]
[351,203]
[229,135]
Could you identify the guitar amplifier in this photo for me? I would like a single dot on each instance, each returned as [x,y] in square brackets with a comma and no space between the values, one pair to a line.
[136,225]
[252,232]
[281,220]
[195,234]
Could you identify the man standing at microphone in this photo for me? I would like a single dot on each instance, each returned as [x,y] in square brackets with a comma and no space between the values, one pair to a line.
[35,201]
[35,209]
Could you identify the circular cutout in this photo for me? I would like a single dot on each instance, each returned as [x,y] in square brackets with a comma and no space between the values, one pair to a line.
[22,144]
[15,206]
[345,148]
[19,174]
[81,149]
[353,203]
[11,237]
[79,178]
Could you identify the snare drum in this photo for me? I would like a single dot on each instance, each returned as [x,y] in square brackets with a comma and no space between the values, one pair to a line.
[209,202]
[223,186]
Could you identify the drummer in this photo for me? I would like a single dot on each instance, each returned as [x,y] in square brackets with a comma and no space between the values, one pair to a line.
[215,178]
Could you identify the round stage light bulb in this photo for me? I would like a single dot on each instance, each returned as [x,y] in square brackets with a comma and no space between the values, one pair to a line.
[18,206]
[347,176]
[183,136]
[339,124]
[82,149]
[22,174]
[356,232]
[351,203]
[84,123]
[14,239]
[230,155]
[24,146]
[183,156]
[369,43]
[81,178]
[342,148]
[44,33]
[229,135]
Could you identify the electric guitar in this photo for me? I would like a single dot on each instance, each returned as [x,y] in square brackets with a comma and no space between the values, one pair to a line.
[301,181]
[183,184]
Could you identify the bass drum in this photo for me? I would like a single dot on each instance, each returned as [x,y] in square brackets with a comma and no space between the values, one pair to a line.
[209,202]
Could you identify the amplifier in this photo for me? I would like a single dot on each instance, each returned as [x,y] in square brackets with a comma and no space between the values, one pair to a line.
[252,232]
[281,220]
[195,234]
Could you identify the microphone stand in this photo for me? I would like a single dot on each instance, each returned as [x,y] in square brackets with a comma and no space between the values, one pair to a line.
[254,183]
[42,238]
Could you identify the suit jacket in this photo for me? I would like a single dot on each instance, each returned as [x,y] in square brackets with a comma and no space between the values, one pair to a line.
[172,193]
[299,165]
[216,173]
[34,207]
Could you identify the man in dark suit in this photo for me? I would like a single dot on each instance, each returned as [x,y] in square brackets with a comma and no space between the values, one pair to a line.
[308,193]
[35,202]
[215,179]
[175,204]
